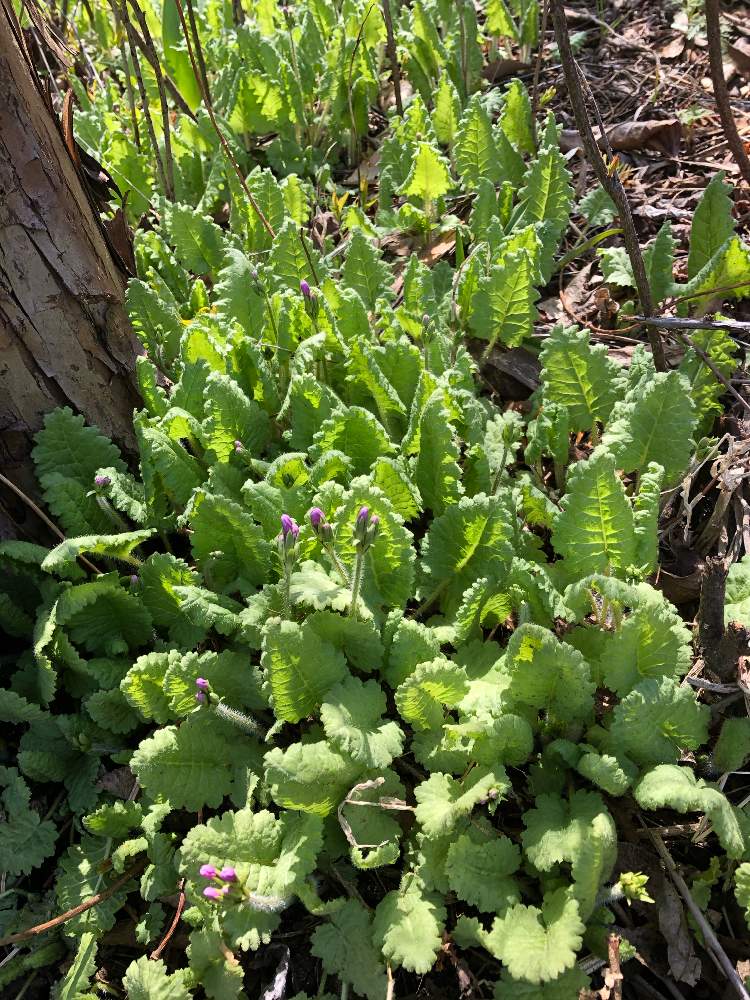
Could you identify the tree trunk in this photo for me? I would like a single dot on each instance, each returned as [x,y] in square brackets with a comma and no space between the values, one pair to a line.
[64,334]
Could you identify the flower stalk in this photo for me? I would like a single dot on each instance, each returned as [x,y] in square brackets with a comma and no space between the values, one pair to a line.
[324,533]
[286,546]
[366,529]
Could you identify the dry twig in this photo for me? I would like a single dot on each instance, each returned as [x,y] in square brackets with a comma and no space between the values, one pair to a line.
[713,945]
[156,953]
[713,33]
[610,181]
[205,94]
[49,925]
[390,46]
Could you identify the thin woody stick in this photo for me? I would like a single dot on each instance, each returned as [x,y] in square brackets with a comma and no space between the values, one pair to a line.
[222,139]
[713,34]
[87,904]
[154,60]
[610,181]
[125,17]
[390,47]
[712,942]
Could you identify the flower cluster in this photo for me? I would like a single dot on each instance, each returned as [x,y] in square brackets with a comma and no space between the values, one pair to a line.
[224,879]
[312,305]
[203,687]
[321,528]
[366,529]
[286,541]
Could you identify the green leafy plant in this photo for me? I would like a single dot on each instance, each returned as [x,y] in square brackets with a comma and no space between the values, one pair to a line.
[342,613]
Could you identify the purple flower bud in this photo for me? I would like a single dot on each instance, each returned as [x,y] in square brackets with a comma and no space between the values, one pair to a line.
[287,524]
[134,579]
[364,514]
[200,698]
[239,446]
[228,874]
[202,683]
[305,289]
[254,274]
[207,871]
[102,481]
[375,520]
[211,892]
[225,889]
[425,320]
[317,517]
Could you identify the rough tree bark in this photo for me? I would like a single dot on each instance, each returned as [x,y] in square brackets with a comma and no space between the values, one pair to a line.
[64,335]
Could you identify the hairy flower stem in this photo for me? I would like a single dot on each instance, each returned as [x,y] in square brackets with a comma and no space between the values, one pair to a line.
[338,566]
[359,564]
[286,593]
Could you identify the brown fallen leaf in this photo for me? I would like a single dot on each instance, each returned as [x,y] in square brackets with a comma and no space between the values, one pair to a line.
[369,170]
[439,249]
[659,136]
[684,964]
[500,69]
[739,53]
[513,373]
[679,589]
[674,48]
[120,239]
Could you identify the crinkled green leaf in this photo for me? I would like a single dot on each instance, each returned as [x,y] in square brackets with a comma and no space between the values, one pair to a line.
[352,717]
[408,926]
[481,874]
[657,720]
[442,802]
[345,947]
[536,945]
[300,668]
[678,788]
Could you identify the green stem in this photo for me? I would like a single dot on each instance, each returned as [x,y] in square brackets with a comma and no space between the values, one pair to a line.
[271,317]
[500,470]
[430,599]
[559,475]
[581,248]
[356,583]
[287,593]
[339,566]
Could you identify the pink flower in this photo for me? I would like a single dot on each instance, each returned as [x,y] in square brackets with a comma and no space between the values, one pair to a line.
[287,524]
[202,683]
[211,892]
[207,871]
[228,874]
[305,289]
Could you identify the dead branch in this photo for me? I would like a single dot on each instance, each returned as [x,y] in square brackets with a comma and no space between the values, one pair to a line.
[610,181]
[713,33]
[49,925]
[156,953]
[713,945]
[680,323]
[390,47]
